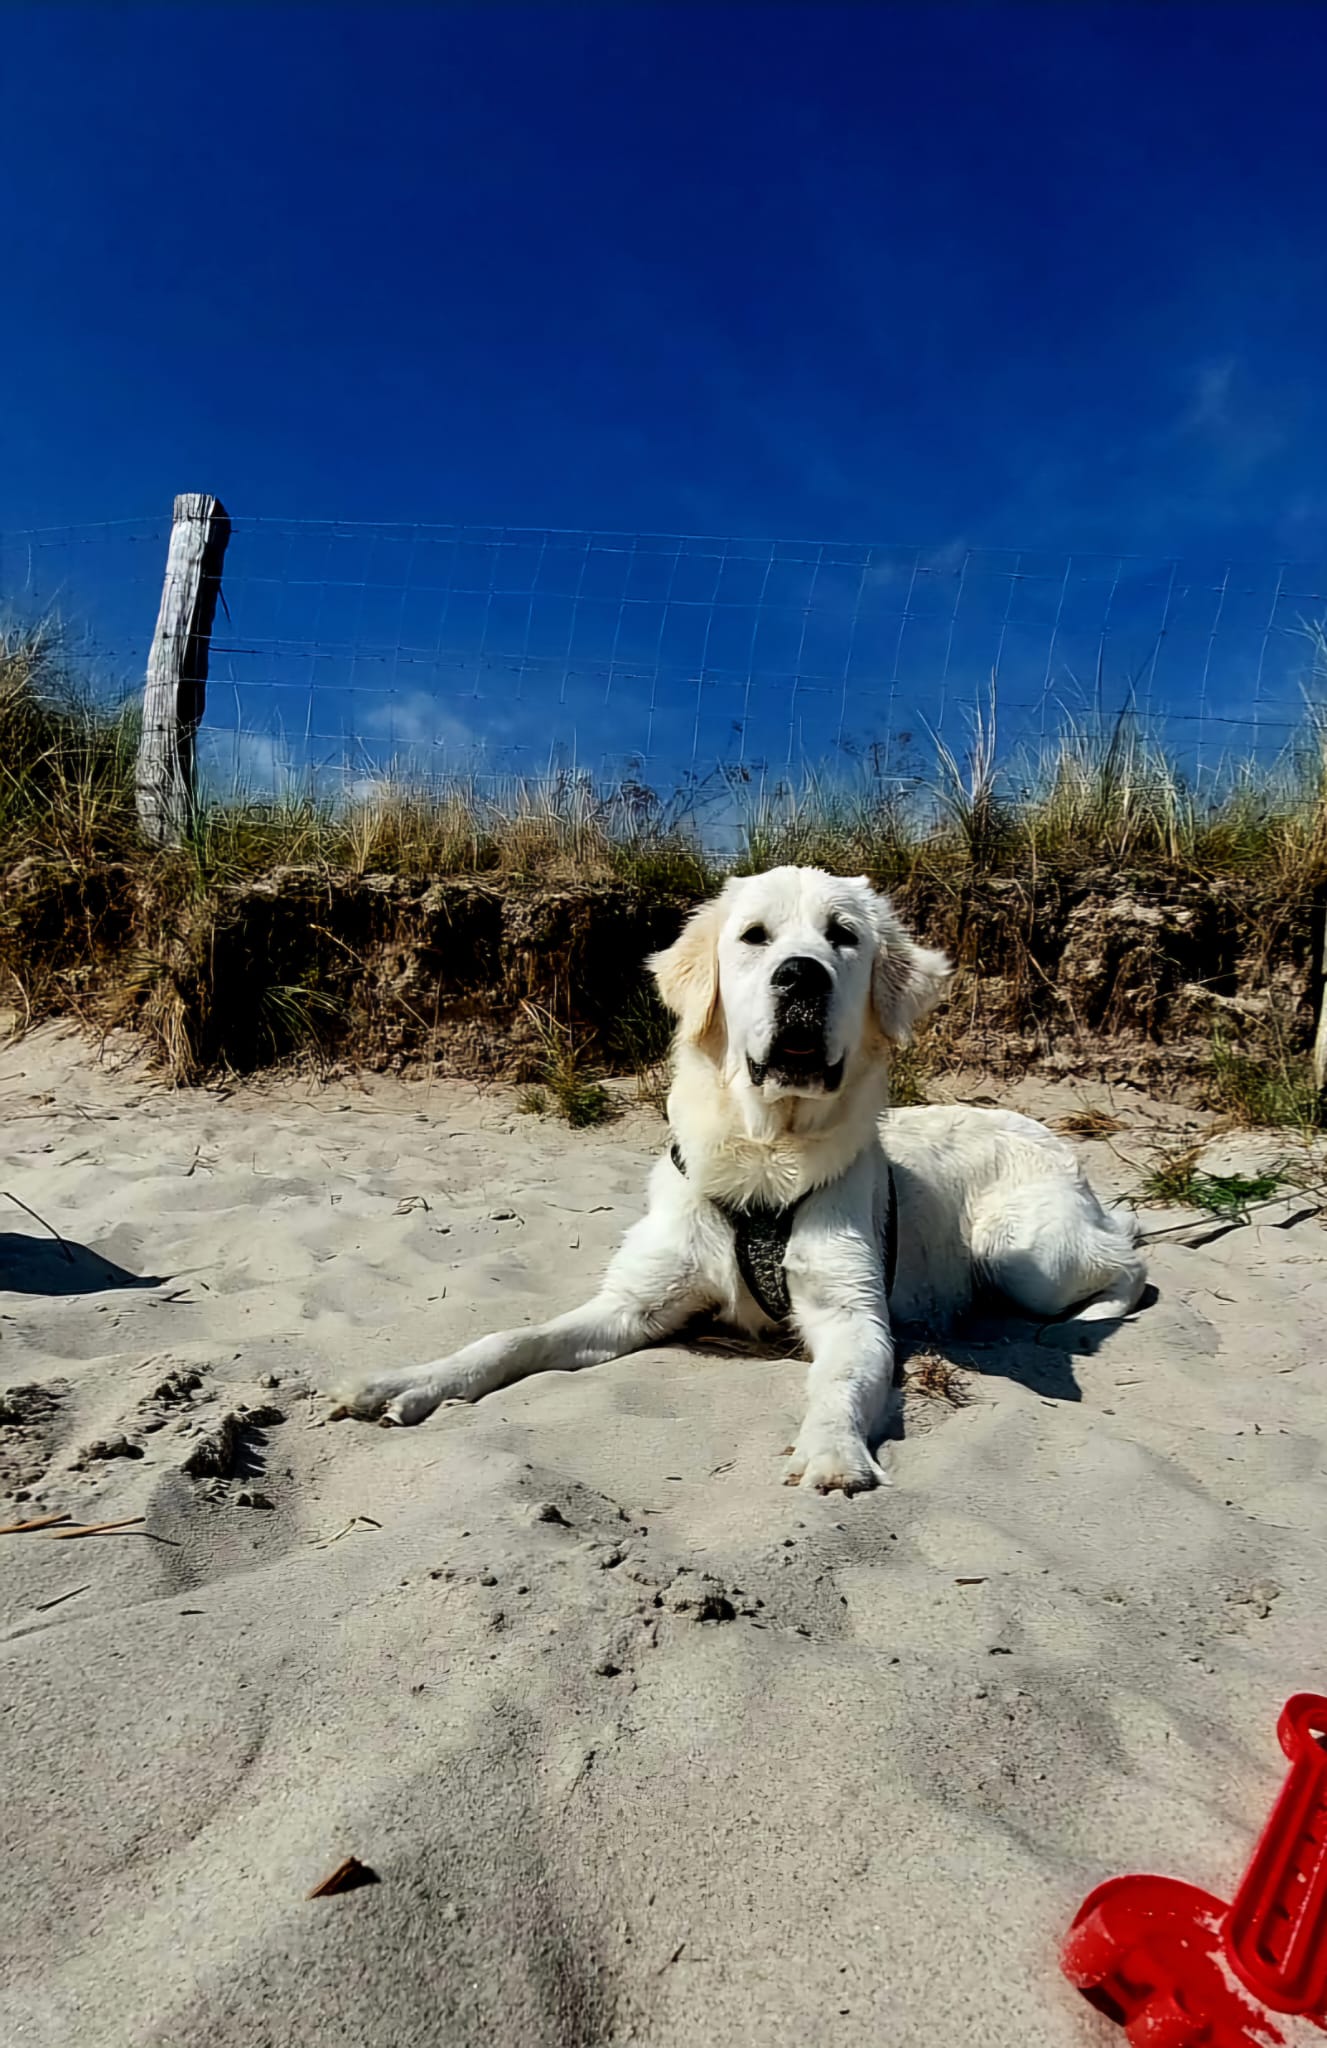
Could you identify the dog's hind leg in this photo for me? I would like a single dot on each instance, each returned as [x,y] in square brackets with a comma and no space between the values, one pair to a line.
[1051,1248]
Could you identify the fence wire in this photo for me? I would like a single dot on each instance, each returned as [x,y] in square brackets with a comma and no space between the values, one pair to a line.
[345,653]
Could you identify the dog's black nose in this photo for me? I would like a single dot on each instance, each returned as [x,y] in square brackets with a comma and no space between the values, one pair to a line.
[801,975]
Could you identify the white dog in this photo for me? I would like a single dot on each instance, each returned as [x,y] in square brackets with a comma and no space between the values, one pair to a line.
[789,1194]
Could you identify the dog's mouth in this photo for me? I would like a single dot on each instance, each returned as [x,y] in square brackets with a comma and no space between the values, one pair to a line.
[797,1059]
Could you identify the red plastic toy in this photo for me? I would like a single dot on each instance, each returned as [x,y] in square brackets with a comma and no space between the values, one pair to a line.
[1181,1969]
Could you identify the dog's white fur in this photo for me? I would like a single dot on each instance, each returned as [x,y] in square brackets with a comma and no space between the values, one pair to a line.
[984,1197]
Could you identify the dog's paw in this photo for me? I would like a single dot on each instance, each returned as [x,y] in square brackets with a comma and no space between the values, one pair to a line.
[834,1465]
[391,1397]
[417,1403]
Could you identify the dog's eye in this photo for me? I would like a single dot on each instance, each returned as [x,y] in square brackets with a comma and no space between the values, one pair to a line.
[840,934]
[755,935]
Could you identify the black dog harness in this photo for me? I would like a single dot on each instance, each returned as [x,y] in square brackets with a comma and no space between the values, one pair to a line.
[760,1235]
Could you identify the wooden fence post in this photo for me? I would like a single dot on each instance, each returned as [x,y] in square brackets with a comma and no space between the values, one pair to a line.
[176,687]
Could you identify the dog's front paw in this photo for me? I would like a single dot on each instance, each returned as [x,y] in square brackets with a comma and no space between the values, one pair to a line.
[366,1400]
[391,1398]
[833,1464]
[417,1403]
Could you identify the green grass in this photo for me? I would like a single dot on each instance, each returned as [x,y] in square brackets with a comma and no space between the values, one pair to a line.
[566,1081]
[909,1073]
[1273,1090]
[1177,1182]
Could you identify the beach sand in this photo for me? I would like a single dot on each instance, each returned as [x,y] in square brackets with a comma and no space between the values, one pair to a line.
[639,1744]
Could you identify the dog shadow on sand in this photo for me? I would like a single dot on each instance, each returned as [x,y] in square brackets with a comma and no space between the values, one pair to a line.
[56,1266]
[991,1341]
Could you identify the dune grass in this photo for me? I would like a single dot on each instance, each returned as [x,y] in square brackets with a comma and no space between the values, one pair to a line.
[1109,797]
[66,762]
[1107,803]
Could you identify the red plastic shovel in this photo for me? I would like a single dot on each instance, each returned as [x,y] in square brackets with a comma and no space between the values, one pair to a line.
[1180,1969]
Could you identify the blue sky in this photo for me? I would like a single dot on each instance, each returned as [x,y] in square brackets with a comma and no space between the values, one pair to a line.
[1035,278]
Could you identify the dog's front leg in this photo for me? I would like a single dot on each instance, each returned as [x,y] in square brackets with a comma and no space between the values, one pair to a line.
[838,1301]
[653,1286]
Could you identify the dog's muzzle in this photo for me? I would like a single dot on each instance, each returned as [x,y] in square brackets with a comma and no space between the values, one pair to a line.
[798,1055]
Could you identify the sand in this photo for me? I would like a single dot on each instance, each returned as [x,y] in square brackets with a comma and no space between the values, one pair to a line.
[639,1744]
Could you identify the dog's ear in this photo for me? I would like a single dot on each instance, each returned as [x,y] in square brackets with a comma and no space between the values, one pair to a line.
[907,980]
[687,972]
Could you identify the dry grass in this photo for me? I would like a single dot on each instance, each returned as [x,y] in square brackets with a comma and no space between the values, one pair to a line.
[935,1379]
[1099,797]
[66,794]
[1088,1122]
[987,858]
[66,763]
[1089,798]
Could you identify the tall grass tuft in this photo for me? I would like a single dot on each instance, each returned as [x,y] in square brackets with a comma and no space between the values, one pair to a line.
[1114,792]
[564,1079]
[66,761]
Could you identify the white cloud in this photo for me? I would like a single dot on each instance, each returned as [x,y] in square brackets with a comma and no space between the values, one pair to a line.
[1235,424]
[414,719]
[1210,402]
[246,764]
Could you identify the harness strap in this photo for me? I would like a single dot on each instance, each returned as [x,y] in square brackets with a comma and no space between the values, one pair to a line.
[761,1231]
[891,1233]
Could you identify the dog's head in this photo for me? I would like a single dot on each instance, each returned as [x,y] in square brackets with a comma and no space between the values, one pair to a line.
[791,977]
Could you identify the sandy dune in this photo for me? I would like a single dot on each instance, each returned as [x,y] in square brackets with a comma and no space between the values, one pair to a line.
[640,1745]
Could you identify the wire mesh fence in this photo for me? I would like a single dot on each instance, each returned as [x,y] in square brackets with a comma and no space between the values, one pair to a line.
[347,653]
